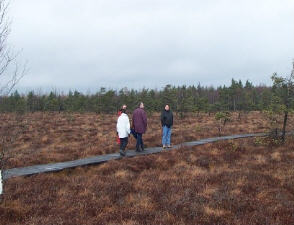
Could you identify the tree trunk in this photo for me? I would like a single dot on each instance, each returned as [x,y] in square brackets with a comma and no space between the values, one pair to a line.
[1,185]
[239,116]
[284,125]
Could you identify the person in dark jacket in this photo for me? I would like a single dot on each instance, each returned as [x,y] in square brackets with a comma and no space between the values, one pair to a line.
[167,121]
[140,125]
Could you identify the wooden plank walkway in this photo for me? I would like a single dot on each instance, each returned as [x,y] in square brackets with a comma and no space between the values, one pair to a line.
[31,170]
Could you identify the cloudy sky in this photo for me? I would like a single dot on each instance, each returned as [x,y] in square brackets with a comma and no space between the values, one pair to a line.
[88,44]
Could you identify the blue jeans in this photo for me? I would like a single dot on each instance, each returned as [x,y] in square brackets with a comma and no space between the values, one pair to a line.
[166,134]
[139,141]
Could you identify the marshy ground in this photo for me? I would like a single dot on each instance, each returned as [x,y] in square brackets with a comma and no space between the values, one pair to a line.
[244,182]
[55,137]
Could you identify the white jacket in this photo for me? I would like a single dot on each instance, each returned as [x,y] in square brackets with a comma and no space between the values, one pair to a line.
[123,126]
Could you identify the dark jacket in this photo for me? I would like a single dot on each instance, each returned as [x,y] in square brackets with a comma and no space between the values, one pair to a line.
[139,121]
[167,118]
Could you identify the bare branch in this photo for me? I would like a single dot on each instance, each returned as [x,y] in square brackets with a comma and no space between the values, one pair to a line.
[9,78]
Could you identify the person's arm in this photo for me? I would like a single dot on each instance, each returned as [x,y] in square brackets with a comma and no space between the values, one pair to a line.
[145,119]
[128,126]
[162,119]
[133,124]
[117,125]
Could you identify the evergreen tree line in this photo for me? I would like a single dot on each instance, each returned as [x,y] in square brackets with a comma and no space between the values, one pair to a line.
[236,97]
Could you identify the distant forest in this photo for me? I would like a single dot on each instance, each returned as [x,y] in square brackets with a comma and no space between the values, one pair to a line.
[236,97]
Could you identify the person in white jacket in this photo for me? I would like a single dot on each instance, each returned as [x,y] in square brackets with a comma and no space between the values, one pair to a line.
[123,131]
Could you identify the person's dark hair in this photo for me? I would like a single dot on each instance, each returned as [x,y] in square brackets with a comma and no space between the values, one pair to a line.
[123,110]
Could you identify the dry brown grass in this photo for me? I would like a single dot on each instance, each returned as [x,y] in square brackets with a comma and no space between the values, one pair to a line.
[54,137]
[229,182]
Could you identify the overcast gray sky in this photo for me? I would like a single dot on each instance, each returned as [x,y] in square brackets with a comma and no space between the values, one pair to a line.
[150,43]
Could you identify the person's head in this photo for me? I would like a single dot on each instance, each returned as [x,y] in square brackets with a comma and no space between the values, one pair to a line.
[166,107]
[123,110]
[141,105]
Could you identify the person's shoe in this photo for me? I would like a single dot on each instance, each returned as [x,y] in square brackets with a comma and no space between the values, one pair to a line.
[169,146]
[138,149]
[142,148]
[122,153]
[164,146]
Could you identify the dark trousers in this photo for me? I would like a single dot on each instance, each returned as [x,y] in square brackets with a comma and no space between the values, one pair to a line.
[139,141]
[123,143]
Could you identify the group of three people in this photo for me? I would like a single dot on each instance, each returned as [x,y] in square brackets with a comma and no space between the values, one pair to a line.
[139,127]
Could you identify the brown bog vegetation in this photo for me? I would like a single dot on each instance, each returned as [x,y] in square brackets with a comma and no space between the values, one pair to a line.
[241,182]
[55,137]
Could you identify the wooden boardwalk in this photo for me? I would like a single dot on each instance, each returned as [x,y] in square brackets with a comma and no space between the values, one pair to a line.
[31,170]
